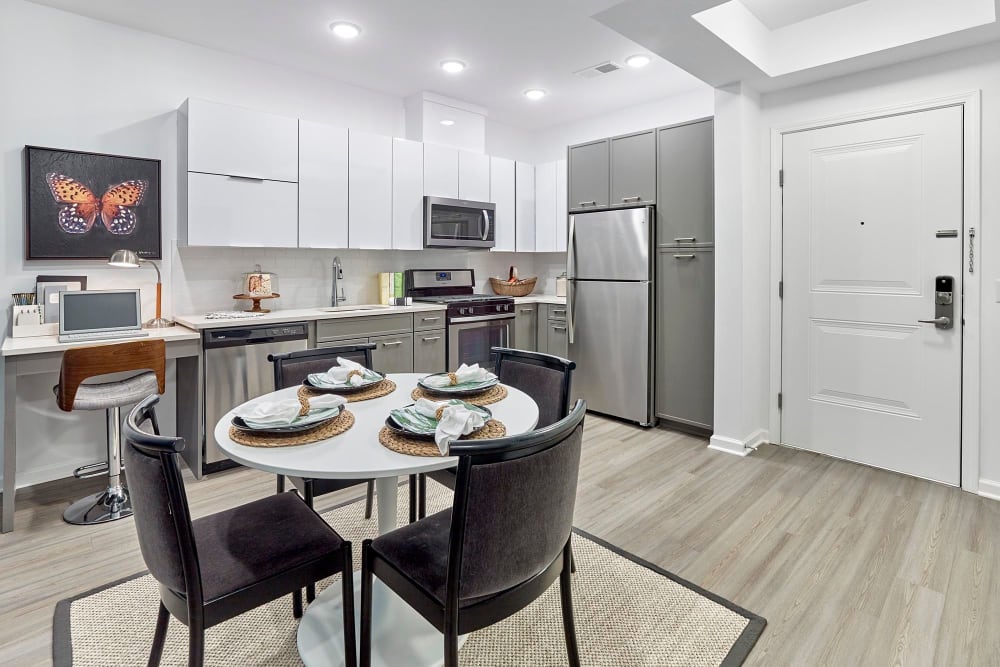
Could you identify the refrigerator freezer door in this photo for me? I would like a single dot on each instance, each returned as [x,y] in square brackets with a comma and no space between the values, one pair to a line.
[610,245]
[611,348]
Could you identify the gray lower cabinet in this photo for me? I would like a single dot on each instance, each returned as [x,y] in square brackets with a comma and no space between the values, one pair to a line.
[685,335]
[589,175]
[342,342]
[633,169]
[393,353]
[429,351]
[525,326]
[557,338]
[685,211]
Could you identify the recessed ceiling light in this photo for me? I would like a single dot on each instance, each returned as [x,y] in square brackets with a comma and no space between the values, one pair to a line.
[447,121]
[452,66]
[534,93]
[345,30]
[637,61]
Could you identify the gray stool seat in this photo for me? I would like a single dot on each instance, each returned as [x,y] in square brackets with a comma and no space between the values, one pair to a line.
[105,395]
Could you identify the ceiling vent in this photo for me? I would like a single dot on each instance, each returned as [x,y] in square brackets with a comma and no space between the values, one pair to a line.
[597,70]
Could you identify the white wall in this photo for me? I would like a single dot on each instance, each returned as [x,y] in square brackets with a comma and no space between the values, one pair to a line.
[958,72]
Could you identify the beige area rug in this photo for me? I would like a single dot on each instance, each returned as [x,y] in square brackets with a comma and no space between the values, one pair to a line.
[628,613]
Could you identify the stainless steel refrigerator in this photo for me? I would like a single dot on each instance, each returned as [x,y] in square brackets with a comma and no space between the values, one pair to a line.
[609,311]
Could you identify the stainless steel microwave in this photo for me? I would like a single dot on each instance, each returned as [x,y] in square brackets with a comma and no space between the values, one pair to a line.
[459,223]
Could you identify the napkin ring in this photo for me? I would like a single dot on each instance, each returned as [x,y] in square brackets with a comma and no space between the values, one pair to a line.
[453,378]
[351,374]
[439,413]
[304,403]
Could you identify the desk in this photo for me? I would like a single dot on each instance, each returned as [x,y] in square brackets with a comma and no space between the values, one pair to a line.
[400,636]
[43,354]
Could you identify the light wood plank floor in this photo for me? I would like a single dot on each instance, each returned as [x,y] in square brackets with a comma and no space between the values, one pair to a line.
[849,565]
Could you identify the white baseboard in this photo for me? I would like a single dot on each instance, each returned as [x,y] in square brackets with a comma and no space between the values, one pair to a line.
[736,446]
[989,489]
[49,473]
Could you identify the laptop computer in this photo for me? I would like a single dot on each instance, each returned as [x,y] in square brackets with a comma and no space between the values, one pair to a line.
[99,315]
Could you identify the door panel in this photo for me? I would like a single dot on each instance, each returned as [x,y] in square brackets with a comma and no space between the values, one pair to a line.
[610,245]
[685,177]
[862,379]
[633,169]
[589,175]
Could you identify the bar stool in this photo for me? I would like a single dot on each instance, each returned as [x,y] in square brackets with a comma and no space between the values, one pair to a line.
[81,363]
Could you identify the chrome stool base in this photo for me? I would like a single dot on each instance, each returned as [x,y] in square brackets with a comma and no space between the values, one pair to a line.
[108,505]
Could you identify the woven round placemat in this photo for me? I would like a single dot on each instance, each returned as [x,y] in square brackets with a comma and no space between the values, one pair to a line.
[377,390]
[335,426]
[413,447]
[494,394]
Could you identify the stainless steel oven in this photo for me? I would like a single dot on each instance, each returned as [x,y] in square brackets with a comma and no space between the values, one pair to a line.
[459,223]
[471,338]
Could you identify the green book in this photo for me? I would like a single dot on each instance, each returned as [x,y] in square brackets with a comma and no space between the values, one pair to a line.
[397,282]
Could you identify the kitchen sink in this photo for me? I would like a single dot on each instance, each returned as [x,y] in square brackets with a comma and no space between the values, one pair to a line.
[345,309]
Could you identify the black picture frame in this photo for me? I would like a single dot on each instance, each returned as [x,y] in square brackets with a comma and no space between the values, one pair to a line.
[59,230]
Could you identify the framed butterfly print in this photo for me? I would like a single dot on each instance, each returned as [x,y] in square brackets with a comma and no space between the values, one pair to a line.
[87,205]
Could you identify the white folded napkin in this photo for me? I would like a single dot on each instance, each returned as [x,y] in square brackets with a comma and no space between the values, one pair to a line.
[464,374]
[343,368]
[284,412]
[456,420]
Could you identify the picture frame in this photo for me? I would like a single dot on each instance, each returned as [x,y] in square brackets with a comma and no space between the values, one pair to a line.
[82,205]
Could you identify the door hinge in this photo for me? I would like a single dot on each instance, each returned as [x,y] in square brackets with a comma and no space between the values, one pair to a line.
[779,400]
[781,289]
[781,178]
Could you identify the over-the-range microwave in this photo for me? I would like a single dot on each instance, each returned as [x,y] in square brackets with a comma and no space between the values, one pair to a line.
[459,223]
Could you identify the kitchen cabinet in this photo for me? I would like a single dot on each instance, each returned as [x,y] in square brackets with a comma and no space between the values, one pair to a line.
[429,351]
[589,175]
[685,294]
[342,328]
[240,212]
[473,176]
[503,193]
[233,141]
[550,207]
[440,171]
[685,210]
[557,339]
[633,169]
[393,353]
[370,191]
[524,193]
[525,326]
[323,156]
[407,195]
[429,320]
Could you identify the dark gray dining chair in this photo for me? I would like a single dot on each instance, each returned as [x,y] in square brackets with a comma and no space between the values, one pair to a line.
[544,377]
[214,568]
[502,545]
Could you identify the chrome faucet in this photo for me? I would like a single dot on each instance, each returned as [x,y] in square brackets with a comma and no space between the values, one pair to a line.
[337,292]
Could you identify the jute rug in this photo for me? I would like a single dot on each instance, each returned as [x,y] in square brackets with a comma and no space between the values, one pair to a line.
[629,613]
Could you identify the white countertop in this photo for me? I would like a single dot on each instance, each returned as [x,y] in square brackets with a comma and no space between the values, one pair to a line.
[40,344]
[199,322]
[541,298]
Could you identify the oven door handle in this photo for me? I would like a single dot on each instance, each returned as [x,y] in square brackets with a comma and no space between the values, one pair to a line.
[481,318]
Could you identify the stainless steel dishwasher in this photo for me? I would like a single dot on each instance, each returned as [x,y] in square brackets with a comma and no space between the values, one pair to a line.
[237,369]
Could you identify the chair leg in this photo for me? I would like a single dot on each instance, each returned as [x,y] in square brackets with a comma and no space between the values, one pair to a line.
[370,499]
[572,561]
[366,603]
[412,484]
[162,620]
[297,603]
[422,495]
[281,484]
[566,597]
[196,644]
[451,649]
[308,497]
[347,579]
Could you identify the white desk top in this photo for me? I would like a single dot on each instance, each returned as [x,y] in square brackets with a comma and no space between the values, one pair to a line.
[302,315]
[357,453]
[13,347]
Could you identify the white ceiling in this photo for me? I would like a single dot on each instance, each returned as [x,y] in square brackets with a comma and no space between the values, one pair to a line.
[779,13]
[509,45]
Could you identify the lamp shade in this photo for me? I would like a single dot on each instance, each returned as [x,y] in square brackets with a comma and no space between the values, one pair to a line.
[124,258]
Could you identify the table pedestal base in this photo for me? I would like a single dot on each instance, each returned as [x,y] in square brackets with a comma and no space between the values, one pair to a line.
[400,636]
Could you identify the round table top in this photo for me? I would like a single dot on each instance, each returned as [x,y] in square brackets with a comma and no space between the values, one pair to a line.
[357,453]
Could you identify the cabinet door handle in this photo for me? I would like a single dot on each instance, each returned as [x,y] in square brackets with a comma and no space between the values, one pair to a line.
[527,310]
[687,256]
[429,319]
[394,342]
[246,178]
[558,312]
[633,198]
[588,203]
[430,339]
[684,239]
[559,328]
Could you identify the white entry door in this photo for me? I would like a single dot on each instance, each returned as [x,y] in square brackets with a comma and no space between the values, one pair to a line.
[868,214]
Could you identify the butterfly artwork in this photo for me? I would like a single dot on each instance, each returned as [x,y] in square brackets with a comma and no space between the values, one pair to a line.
[81,207]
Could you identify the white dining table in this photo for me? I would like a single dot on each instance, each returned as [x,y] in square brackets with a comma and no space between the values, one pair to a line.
[400,636]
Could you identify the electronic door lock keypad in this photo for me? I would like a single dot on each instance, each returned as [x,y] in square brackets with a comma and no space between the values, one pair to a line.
[944,303]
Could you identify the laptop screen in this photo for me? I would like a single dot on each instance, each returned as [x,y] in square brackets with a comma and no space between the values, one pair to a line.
[98,311]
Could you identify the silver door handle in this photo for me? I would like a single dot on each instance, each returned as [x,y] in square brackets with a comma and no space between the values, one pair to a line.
[486,224]
[429,319]
[683,239]
[634,198]
[571,249]
[937,321]
[687,256]
[588,203]
[255,179]
[395,342]
[431,339]
[527,310]
[559,328]
[558,311]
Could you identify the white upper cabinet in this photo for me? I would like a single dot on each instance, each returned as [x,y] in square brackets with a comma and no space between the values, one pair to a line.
[525,203]
[440,171]
[234,141]
[473,176]
[240,212]
[407,194]
[503,194]
[550,207]
[370,191]
[322,186]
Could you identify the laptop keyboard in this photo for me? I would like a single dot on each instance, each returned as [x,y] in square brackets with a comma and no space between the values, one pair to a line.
[83,337]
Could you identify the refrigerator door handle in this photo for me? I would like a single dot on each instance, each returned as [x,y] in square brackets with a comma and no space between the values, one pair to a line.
[570,294]
[571,250]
